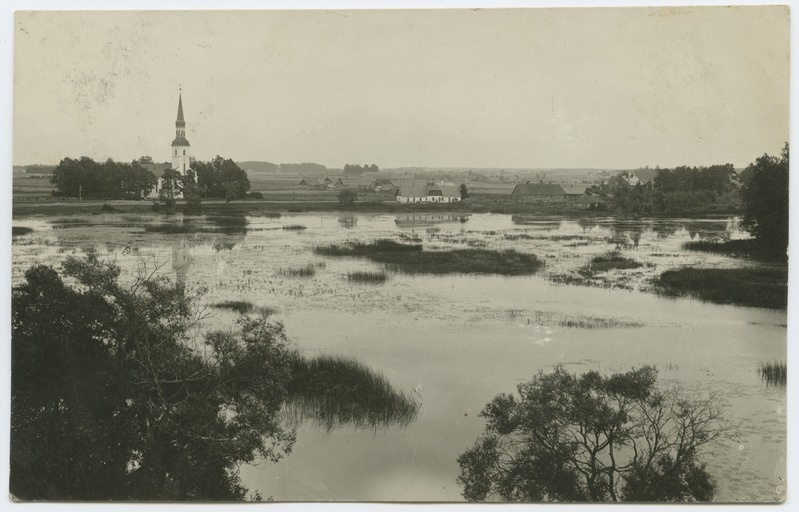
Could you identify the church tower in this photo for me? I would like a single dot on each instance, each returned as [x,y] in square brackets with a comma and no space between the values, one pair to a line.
[180,146]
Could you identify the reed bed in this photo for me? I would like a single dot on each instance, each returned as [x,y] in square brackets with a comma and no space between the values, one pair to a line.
[334,391]
[411,259]
[308,270]
[367,277]
[612,261]
[244,307]
[171,229]
[20,230]
[774,373]
[765,287]
[239,306]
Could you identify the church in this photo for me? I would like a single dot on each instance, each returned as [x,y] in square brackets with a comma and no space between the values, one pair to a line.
[180,152]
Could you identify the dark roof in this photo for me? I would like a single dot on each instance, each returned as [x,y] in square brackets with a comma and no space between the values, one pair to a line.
[575,189]
[538,189]
[180,141]
[424,190]
[157,169]
[379,182]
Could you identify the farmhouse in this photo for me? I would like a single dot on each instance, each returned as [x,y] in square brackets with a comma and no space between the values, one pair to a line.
[539,193]
[317,184]
[381,184]
[428,193]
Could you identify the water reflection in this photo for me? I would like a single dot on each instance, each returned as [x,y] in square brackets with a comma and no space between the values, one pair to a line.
[348,221]
[413,220]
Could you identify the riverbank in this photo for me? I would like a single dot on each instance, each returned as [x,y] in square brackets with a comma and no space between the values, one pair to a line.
[252,207]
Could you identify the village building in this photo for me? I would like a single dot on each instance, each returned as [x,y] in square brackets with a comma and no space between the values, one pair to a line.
[429,192]
[538,193]
[180,152]
[317,184]
[381,184]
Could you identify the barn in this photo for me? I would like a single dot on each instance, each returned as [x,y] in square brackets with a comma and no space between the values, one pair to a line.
[539,193]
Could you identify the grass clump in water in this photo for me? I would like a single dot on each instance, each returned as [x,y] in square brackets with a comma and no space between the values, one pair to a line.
[774,373]
[239,306]
[306,271]
[765,287]
[336,391]
[367,277]
[294,227]
[751,248]
[20,230]
[171,229]
[598,322]
[411,259]
[612,261]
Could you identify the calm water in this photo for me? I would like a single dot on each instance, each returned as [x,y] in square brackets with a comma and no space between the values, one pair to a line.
[460,340]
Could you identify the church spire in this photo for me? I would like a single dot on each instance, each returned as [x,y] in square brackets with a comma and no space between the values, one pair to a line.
[180,110]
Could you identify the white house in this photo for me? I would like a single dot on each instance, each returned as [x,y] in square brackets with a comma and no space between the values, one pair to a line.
[428,193]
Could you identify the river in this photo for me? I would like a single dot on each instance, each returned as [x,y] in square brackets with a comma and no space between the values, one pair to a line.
[456,341]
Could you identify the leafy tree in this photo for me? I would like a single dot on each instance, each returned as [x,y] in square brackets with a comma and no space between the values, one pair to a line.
[464,191]
[221,178]
[172,187]
[593,438]
[765,197]
[107,180]
[110,400]
[347,197]
[191,193]
[145,160]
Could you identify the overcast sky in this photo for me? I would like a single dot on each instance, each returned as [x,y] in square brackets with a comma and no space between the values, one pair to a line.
[599,88]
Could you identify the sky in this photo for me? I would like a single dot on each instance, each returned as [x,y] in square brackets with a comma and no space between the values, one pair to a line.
[502,88]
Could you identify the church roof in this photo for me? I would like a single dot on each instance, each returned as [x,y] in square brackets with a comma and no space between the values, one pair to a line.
[180,111]
[180,141]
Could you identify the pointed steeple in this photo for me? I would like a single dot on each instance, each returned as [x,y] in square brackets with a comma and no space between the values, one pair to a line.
[180,125]
[180,120]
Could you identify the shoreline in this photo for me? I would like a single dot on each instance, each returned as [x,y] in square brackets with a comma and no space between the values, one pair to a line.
[26,209]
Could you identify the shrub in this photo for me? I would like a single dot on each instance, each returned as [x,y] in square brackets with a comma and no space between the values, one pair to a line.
[570,438]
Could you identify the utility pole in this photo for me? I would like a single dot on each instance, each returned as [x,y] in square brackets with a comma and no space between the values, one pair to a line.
[80,192]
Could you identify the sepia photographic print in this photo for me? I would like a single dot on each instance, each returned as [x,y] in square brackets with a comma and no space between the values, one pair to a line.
[528,254]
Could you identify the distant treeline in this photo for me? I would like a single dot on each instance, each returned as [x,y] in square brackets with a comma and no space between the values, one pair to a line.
[357,169]
[83,177]
[678,189]
[303,168]
[86,178]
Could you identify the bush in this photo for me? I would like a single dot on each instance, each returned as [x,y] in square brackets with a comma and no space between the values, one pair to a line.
[570,438]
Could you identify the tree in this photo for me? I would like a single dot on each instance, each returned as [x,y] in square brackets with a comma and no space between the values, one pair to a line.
[464,192]
[765,197]
[347,197]
[191,193]
[593,438]
[108,180]
[172,187]
[144,160]
[110,400]
[221,178]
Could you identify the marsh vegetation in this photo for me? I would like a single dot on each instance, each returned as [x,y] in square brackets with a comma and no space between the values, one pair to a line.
[774,373]
[412,259]
[333,391]
[765,287]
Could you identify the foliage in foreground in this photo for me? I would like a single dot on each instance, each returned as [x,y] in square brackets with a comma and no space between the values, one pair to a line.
[112,399]
[570,438]
[765,287]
